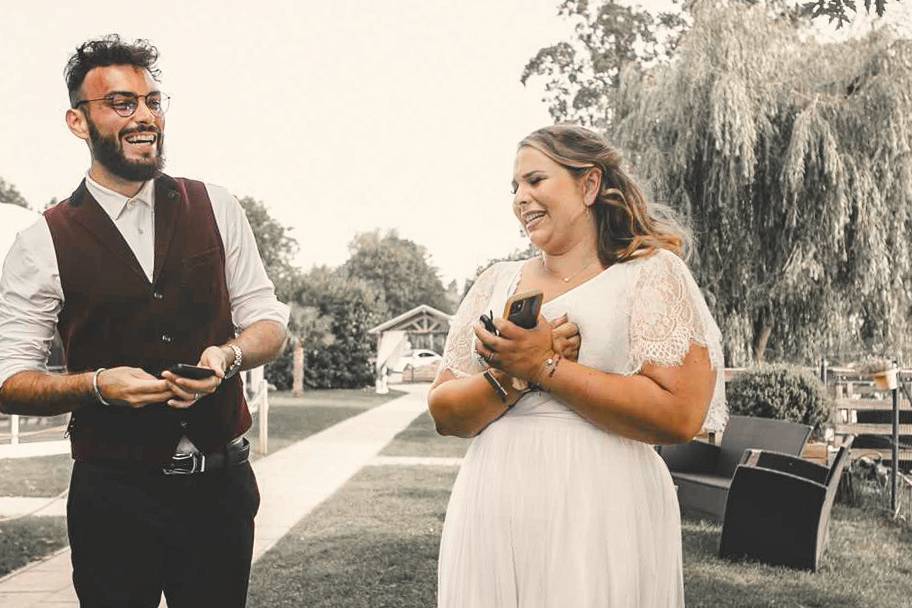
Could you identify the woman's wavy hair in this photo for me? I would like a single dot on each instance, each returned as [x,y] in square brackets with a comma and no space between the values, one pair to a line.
[626,222]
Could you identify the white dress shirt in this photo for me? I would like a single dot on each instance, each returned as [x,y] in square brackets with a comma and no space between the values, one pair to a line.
[31,295]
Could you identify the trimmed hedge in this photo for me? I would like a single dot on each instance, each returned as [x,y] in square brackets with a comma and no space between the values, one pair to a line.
[783,392]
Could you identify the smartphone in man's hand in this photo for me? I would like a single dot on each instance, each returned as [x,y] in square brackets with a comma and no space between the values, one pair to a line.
[194,372]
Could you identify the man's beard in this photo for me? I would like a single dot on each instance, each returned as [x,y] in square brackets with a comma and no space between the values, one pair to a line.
[108,151]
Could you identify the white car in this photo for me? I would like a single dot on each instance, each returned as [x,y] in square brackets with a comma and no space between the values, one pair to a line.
[412,359]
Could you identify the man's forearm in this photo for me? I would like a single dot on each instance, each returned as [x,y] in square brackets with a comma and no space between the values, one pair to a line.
[33,393]
[260,343]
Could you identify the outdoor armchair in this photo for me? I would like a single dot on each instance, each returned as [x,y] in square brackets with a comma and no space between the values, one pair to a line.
[703,472]
[778,509]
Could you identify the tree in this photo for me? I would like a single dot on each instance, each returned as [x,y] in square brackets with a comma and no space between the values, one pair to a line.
[331,315]
[582,74]
[791,158]
[837,10]
[310,331]
[397,268]
[10,195]
[276,246]
[354,306]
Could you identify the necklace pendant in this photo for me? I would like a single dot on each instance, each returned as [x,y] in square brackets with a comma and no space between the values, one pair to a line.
[567,280]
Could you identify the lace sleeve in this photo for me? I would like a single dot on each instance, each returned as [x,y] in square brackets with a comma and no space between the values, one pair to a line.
[667,314]
[459,352]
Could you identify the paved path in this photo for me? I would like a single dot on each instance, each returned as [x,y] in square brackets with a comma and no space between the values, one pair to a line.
[15,506]
[36,448]
[292,482]
[411,461]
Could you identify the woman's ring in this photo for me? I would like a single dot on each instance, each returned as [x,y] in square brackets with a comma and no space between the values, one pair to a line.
[196,396]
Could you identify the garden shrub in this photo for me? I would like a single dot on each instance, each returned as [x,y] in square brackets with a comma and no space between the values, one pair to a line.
[783,392]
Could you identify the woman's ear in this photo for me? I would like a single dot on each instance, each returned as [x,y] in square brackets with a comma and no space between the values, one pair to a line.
[592,183]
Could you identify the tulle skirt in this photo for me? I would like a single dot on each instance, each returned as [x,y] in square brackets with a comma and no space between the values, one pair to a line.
[548,511]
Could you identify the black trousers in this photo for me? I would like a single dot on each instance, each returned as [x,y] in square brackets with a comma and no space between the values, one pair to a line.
[135,534]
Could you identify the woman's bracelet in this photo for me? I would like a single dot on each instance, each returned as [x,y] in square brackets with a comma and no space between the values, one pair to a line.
[496,385]
[549,366]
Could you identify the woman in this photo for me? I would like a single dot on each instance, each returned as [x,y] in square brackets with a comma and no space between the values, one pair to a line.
[561,499]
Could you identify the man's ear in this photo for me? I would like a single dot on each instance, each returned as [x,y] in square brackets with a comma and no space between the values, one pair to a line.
[76,121]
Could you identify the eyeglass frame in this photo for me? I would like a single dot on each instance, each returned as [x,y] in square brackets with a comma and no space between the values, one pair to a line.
[110,96]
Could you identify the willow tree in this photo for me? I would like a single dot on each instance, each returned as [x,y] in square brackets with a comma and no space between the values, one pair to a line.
[791,160]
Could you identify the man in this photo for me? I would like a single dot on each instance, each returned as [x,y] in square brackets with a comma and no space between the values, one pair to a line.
[139,271]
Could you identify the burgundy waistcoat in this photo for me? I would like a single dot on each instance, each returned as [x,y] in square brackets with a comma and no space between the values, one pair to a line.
[113,316]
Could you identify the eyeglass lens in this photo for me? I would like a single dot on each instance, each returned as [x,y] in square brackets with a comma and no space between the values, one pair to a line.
[125,105]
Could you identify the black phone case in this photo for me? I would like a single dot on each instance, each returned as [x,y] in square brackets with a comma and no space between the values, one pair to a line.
[191,371]
[526,316]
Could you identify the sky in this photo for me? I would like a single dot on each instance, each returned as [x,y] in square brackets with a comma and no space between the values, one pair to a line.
[341,116]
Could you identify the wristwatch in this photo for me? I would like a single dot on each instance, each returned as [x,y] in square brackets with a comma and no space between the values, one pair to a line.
[235,366]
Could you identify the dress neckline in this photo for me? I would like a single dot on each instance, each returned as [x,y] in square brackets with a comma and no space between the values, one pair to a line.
[517,277]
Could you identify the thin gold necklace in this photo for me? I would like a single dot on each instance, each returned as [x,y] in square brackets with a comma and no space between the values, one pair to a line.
[565,279]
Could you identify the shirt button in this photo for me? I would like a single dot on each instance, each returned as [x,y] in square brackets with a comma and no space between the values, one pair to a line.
[166,338]
[157,295]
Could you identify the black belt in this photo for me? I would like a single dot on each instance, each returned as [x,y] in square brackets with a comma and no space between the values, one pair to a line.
[188,463]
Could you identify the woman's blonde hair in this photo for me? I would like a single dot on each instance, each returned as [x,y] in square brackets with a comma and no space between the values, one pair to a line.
[626,222]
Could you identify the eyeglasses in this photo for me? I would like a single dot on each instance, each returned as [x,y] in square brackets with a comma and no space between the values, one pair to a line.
[125,104]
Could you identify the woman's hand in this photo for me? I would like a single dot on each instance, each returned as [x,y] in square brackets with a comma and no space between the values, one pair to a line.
[565,338]
[519,352]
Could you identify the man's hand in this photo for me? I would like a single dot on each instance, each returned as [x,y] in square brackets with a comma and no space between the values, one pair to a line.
[132,387]
[565,338]
[188,391]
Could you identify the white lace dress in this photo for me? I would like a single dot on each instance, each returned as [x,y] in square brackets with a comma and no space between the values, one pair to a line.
[548,510]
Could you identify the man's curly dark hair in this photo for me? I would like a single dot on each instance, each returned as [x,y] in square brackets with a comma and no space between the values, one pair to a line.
[105,51]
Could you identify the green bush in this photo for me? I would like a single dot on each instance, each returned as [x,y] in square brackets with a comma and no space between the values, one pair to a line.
[279,372]
[783,392]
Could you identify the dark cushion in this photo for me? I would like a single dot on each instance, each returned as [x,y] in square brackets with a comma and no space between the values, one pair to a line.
[704,493]
[746,432]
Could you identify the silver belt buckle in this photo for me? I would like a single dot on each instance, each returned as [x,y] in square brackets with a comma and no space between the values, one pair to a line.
[185,463]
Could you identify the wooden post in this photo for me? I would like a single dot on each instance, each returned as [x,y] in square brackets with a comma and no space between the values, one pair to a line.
[297,369]
[263,443]
[894,464]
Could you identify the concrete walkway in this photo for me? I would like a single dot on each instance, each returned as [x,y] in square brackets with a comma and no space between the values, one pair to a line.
[292,482]
[37,448]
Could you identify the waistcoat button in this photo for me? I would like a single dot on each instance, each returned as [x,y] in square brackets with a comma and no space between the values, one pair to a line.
[157,295]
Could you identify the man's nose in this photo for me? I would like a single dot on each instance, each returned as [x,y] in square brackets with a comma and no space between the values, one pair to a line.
[143,114]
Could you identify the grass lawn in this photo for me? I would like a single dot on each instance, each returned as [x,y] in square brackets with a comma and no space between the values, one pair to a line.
[28,539]
[38,476]
[35,428]
[867,564]
[421,439]
[291,419]
[294,418]
[373,543]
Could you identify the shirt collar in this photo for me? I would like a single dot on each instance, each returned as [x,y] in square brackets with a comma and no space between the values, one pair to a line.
[114,203]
